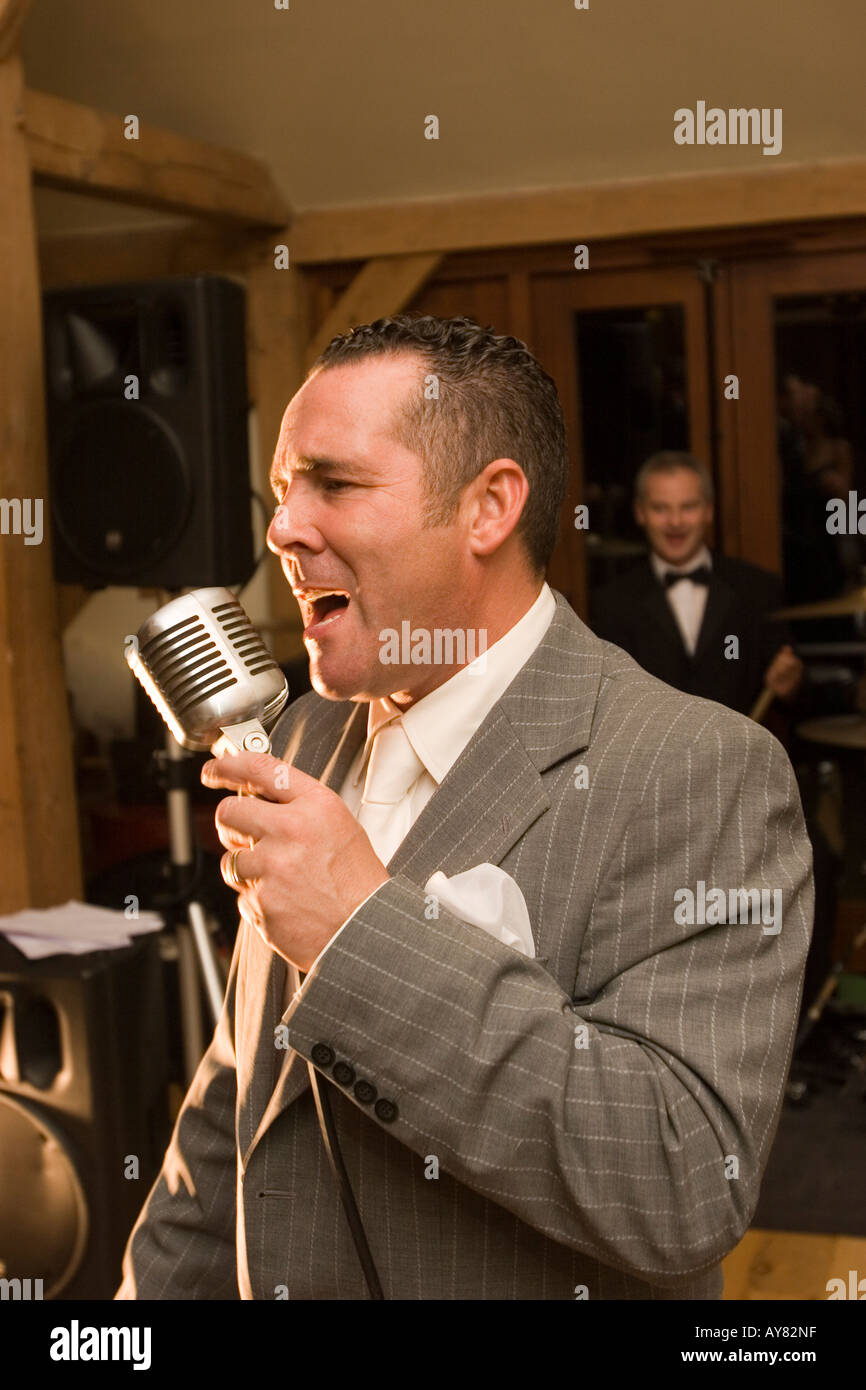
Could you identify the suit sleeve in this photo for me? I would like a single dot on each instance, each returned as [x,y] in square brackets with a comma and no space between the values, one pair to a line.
[183,1244]
[631,1123]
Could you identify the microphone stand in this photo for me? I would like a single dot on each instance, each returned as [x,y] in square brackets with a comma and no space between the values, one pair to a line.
[183,861]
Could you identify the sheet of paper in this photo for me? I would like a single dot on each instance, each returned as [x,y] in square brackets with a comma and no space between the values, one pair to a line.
[37,947]
[74,928]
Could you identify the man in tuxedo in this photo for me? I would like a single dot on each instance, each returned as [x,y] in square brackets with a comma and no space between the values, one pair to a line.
[461,888]
[698,621]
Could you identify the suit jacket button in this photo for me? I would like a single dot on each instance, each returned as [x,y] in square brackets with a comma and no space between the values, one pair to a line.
[322,1055]
[343,1073]
[365,1091]
[386,1110]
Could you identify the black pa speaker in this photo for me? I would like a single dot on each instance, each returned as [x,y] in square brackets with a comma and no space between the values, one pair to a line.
[146,400]
[83,1092]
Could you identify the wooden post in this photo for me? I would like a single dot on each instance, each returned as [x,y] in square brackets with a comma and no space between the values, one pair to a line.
[38,817]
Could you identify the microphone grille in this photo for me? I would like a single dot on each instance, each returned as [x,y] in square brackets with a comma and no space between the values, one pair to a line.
[244,638]
[188,666]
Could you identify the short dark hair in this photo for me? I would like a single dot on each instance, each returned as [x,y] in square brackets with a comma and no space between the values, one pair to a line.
[494,400]
[671,461]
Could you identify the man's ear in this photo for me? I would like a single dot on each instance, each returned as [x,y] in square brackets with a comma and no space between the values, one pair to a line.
[504,486]
[639,512]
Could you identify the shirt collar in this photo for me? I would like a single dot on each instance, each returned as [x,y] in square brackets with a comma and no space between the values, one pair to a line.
[661,567]
[441,724]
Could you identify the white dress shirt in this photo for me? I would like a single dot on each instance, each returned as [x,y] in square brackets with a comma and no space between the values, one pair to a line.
[687,600]
[441,724]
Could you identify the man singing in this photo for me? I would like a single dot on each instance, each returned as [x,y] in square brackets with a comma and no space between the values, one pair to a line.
[460,907]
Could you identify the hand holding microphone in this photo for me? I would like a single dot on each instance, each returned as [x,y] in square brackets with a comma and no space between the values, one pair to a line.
[213,682]
[210,675]
[311,865]
[297,857]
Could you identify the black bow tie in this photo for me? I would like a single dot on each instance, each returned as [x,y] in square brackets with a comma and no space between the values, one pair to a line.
[701,575]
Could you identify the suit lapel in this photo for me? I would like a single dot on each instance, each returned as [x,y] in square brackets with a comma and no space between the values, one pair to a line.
[488,799]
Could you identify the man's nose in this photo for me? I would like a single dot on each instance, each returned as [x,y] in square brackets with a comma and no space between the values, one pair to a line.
[291,526]
[276,537]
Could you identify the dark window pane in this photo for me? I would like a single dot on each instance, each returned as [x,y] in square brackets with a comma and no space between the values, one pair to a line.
[633,402]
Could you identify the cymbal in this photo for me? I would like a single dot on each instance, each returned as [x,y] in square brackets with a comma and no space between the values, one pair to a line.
[840,730]
[841,606]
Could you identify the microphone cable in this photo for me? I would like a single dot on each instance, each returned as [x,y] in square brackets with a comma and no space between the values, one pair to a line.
[347,1197]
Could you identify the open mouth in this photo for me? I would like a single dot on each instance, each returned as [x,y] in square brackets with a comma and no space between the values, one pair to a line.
[321,607]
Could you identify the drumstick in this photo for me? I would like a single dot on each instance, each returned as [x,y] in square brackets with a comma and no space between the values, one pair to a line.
[762,704]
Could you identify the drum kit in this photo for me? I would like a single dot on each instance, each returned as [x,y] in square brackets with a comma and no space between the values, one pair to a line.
[841,730]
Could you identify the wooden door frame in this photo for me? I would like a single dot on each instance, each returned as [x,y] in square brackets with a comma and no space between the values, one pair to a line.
[751,446]
[555,299]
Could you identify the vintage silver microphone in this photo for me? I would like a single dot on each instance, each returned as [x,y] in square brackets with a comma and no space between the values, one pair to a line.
[217,687]
[209,673]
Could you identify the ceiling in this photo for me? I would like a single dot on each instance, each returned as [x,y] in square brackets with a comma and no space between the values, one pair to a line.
[333,94]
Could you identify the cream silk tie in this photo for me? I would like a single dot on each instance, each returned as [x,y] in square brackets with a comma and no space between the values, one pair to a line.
[385,812]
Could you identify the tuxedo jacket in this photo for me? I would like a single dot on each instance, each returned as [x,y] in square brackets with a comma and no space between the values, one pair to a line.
[592,1122]
[634,613]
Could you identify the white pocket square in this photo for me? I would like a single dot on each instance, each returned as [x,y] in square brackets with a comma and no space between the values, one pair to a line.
[489,898]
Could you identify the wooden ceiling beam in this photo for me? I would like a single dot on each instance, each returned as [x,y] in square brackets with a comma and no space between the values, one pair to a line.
[625,208]
[82,150]
[144,253]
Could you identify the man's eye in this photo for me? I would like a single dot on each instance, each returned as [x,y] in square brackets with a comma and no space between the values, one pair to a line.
[331,484]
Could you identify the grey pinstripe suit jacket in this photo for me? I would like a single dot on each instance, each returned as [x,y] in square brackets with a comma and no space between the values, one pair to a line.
[601,1115]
